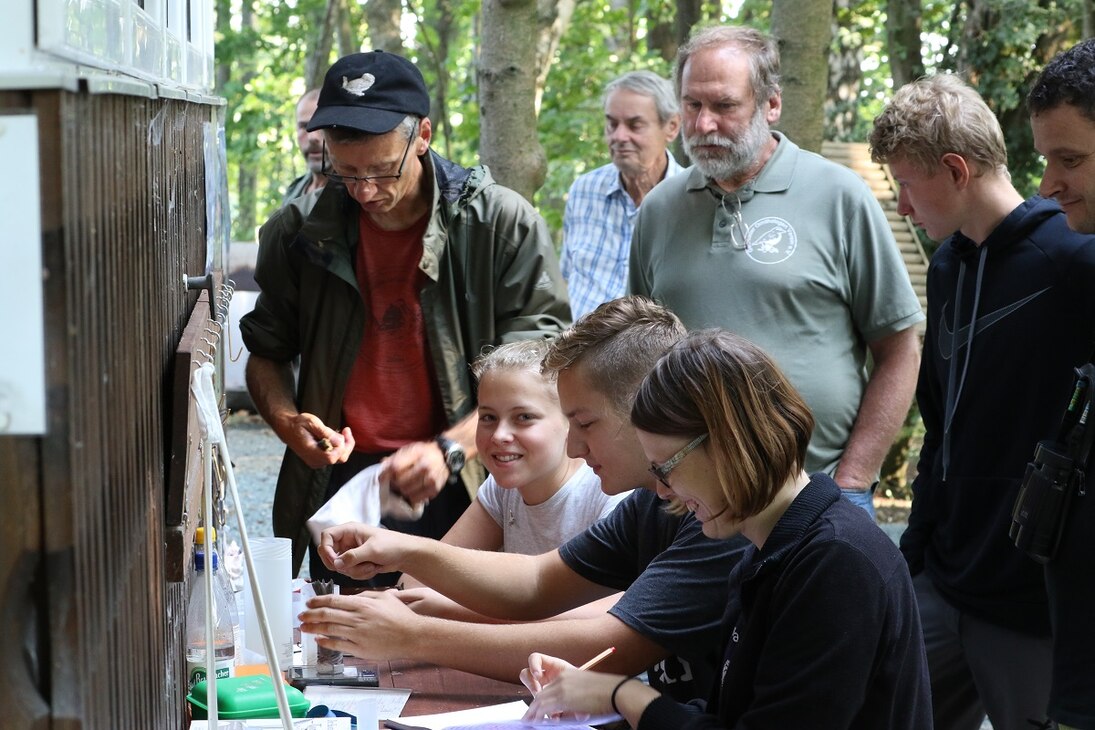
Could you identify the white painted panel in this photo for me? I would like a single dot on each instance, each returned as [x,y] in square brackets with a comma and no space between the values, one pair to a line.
[22,336]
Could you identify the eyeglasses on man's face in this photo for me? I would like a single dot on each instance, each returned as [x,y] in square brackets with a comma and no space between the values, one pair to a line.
[661,473]
[351,180]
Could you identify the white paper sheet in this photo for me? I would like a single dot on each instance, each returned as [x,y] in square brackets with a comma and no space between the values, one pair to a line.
[497,717]
[492,713]
[389,702]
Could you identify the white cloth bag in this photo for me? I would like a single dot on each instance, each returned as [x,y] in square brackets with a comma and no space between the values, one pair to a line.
[362,499]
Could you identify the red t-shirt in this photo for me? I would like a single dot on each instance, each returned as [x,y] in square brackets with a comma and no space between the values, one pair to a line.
[391,397]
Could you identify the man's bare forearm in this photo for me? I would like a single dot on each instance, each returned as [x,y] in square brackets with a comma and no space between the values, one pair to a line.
[883,408]
[270,384]
[501,585]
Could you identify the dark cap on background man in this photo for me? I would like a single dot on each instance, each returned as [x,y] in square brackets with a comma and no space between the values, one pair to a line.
[370,92]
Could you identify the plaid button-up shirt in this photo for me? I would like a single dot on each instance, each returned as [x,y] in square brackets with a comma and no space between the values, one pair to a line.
[597,227]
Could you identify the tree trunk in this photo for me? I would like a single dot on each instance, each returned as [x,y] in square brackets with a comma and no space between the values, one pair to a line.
[223,69]
[244,224]
[554,19]
[506,76]
[845,74]
[903,21]
[435,53]
[347,32]
[319,59]
[246,192]
[689,12]
[383,18]
[803,28]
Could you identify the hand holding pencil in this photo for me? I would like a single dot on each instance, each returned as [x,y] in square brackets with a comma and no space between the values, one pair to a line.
[597,659]
[563,691]
[539,673]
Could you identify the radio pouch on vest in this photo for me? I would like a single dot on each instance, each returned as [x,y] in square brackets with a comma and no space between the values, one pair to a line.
[1057,475]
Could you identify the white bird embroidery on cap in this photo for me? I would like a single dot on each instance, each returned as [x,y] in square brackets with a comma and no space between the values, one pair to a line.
[358,87]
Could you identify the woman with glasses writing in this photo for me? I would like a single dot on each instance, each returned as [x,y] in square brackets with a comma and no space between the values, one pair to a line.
[821,630]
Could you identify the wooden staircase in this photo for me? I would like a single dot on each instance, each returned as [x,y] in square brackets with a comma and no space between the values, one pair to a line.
[857,156]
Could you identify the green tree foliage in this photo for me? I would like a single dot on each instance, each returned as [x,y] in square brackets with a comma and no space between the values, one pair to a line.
[996,44]
[1002,46]
[590,54]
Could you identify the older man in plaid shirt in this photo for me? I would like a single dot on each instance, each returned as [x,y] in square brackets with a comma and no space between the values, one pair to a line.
[641,119]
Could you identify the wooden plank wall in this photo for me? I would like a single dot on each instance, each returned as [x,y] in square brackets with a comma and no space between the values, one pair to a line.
[82,529]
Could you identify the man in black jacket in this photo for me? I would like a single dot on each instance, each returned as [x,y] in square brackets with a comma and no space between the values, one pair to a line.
[1062,105]
[1009,312]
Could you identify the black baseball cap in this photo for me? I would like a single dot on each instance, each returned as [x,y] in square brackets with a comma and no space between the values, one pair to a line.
[370,92]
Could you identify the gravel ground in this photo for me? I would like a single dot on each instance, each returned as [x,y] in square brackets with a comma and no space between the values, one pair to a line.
[256,457]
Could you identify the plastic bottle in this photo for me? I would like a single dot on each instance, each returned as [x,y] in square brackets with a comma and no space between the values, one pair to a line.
[224,646]
[221,575]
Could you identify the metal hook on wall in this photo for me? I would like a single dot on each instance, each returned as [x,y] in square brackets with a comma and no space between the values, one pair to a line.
[204,282]
[228,286]
[212,347]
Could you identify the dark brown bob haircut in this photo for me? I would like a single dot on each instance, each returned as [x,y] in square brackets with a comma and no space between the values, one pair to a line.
[758,426]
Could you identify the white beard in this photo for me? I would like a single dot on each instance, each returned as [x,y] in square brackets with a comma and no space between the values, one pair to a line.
[737,157]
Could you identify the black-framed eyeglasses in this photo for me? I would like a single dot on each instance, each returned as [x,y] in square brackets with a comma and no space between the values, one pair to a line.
[661,472]
[351,180]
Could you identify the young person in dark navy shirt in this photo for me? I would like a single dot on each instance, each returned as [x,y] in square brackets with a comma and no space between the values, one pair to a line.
[821,628]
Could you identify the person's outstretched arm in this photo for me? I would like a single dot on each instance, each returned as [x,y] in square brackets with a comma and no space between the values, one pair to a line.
[380,626]
[500,585]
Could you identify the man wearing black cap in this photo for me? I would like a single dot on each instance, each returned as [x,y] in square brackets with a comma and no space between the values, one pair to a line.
[387,283]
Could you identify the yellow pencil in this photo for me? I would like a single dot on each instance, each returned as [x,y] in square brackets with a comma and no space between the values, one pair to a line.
[598,659]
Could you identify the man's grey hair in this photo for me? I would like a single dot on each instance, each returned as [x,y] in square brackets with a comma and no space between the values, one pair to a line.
[648,83]
[344,135]
[761,48]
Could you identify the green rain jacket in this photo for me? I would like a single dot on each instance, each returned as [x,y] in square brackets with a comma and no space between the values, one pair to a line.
[492,276]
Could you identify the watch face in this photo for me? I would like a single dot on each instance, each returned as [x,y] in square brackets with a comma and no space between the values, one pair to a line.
[454,454]
[455,459]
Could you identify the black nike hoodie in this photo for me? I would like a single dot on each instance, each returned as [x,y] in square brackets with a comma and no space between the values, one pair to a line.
[1007,323]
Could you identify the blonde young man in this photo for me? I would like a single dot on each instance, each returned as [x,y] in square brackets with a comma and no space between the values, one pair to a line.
[642,118]
[786,249]
[1062,105]
[1010,313]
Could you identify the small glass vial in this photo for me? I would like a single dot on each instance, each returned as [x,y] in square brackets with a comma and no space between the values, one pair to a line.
[328,661]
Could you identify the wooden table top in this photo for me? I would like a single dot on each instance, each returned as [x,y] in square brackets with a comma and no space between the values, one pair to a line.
[439,689]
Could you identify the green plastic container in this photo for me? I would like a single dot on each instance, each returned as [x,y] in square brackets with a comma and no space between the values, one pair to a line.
[246,698]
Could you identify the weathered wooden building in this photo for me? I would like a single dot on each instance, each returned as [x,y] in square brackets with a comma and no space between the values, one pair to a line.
[113,194]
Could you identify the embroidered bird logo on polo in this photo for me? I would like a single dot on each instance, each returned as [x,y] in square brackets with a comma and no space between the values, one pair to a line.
[358,86]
